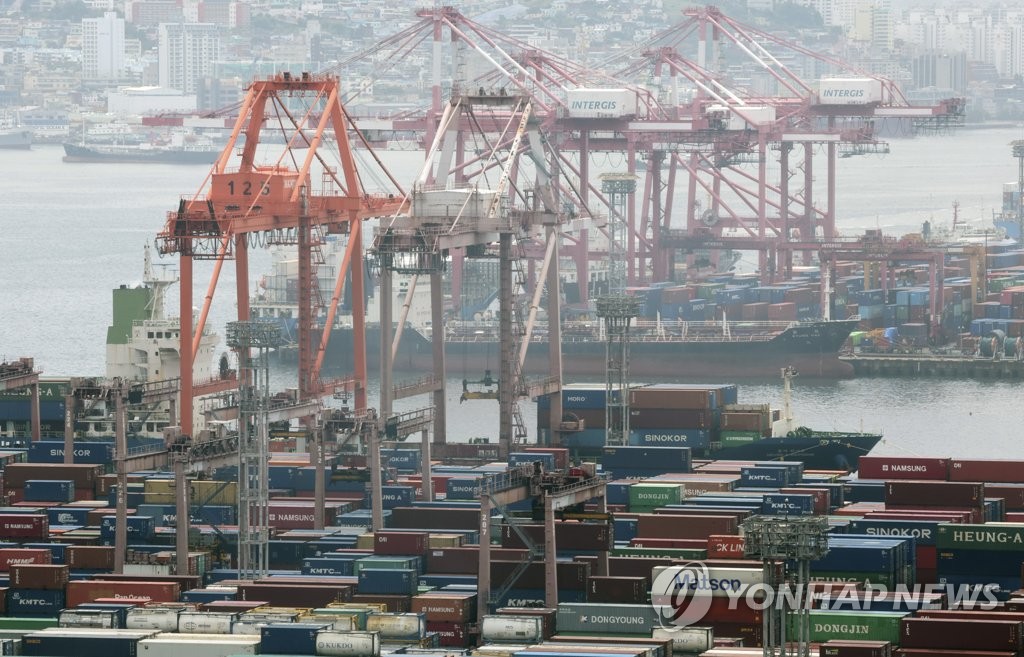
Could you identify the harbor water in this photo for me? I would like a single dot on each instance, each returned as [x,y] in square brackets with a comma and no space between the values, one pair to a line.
[69,233]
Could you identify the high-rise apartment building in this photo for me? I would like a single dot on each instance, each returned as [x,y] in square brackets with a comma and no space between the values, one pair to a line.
[187,54]
[103,47]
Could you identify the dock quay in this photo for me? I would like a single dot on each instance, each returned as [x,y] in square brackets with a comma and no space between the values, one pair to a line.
[934,365]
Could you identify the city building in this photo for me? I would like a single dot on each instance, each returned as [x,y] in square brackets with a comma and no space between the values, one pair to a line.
[187,52]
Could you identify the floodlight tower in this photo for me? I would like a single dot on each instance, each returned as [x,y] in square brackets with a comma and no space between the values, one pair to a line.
[777,541]
[617,311]
[253,341]
[619,188]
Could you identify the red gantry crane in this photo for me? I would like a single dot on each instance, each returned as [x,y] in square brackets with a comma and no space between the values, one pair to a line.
[249,203]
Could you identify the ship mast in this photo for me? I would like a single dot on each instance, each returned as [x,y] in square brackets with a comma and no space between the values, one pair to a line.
[788,374]
[158,282]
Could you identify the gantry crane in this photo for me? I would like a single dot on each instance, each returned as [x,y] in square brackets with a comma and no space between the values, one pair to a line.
[450,219]
[553,491]
[249,203]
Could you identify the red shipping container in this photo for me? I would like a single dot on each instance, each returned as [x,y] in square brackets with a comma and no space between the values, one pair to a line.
[666,418]
[919,514]
[673,543]
[973,515]
[450,635]
[933,652]
[561,455]
[934,493]
[295,594]
[394,604]
[434,518]
[465,560]
[855,649]
[926,557]
[83,591]
[23,525]
[1012,494]
[728,610]
[84,475]
[725,547]
[902,467]
[17,556]
[618,590]
[782,311]
[89,557]
[298,516]
[404,543]
[956,633]
[37,576]
[445,607]
[684,526]
[996,471]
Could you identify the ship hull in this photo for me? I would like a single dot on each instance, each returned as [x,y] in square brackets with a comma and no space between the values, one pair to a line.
[129,155]
[811,348]
[816,452]
[16,140]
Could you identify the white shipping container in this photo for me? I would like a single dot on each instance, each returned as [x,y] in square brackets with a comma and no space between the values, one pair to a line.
[87,618]
[687,639]
[505,629]
[248,627]
[338,623]
[199,645]
[165,620]
[758,115]
[397,626]
[716,582]
[451,203]
[586,103]
[199,622]
[347,644]
[849,91]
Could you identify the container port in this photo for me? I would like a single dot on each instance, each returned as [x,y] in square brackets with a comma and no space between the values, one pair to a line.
[179,505]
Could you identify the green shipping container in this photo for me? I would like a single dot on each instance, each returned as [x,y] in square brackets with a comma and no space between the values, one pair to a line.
[646,497]
[991,536]
[394,563]
[734,438]
[854,626]
[885,579]
[31,624]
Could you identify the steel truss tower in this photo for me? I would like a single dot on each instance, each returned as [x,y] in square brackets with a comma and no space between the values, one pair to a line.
[619,188]
[776,542]
[617,311]
[253,341]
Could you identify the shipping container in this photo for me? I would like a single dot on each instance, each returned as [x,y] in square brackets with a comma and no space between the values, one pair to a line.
[347,644]
[511,629]
[83,642]
[198,645]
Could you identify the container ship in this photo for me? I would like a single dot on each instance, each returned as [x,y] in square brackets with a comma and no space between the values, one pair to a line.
[680,332]
[15,139]
[705,418]
[171,153]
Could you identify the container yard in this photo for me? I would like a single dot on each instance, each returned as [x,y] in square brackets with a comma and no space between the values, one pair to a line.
[921,553]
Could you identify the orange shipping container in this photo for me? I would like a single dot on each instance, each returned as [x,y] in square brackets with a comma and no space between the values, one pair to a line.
[83,591]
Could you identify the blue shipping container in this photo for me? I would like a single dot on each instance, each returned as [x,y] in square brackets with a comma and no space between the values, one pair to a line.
[290,638]
[49,490]
[34,602]
[665,437]
[387,581]
[785,504]
[764,477]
